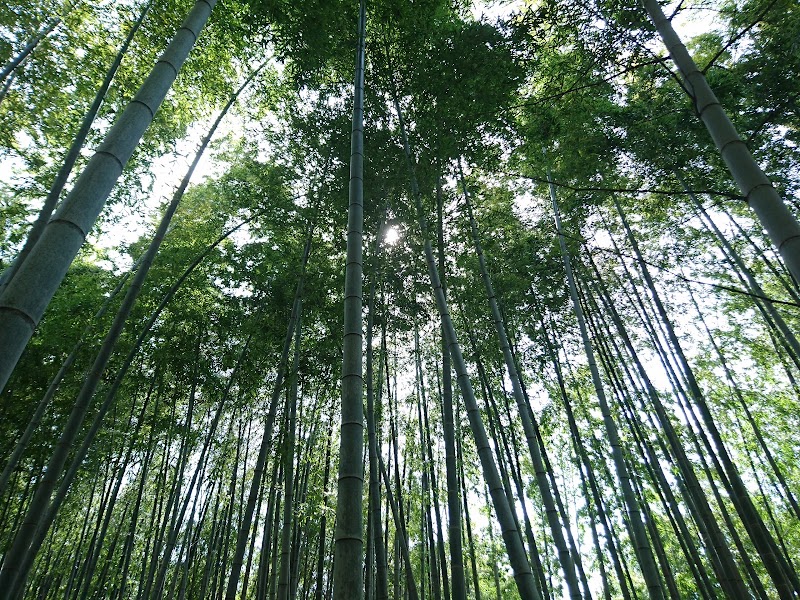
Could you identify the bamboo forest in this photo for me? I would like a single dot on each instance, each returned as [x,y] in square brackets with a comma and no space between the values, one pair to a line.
[399,299]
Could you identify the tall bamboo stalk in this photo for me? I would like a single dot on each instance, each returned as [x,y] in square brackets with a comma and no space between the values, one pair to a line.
[288,464]
[266,439]
[523,575]
[780,224]
[525,413]
[19,57]
[348,576]
[72,154]
[781,572]
[34,518]
[644,550]
[27,295]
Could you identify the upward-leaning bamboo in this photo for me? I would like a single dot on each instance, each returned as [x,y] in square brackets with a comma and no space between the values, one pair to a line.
[56,463]
[381,577]
[72,154]
[644,551]
[729,375]
[348,577]
[523,575]
[26,297]
[526,416]
[780,224]
[720,556]
[459,584]
[782,574]
[771,315]
[266,439]
[44,403]
[288,464]
[19,57]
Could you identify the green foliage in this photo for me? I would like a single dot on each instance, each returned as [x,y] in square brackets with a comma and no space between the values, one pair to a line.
[583,81]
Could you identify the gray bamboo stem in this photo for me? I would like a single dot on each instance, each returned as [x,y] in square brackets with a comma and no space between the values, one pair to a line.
[526,416]
[33,521]
[52,388]
[644,551]
[523,575]
[749,279]
[720,556]
[288,466]
[348,576]
[20,56]
[72,154]
[779,222]
[381,578]
[459,584]
[26,297]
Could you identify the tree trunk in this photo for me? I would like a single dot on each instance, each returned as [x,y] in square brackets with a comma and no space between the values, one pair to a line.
[748,414]
[526,415]
[780,571]
[401,536]
[25,298]
[511,536]
[348,576]
[263,453]
[381,577]
[324,520]
[756,188]
[38,413]
[465,500]
[642,544]
[71,429]
[451,473]
[288,466]
[72,154]
[720,556]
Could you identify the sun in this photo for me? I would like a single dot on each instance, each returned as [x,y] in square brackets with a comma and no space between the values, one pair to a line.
[392,235]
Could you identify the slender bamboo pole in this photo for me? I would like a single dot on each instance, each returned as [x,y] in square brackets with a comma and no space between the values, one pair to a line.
[526,415]
[16,60]
[284,574]
[72,154]
[381,586]
[722,560]
[781,572]
[643,548]
[523,575]
[780,224]
[34,518]
[263,452]
[27,295]
[348,576]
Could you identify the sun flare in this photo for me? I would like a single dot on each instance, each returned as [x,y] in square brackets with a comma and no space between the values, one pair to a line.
[392,235]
